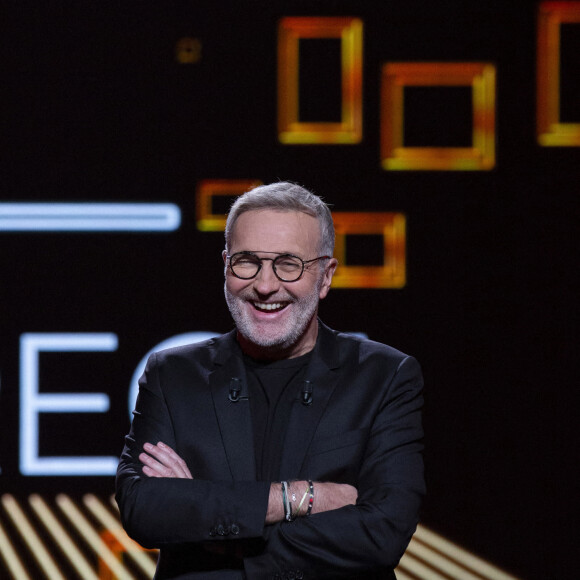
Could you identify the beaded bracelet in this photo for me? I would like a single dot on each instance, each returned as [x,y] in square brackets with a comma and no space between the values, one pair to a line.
[311,500]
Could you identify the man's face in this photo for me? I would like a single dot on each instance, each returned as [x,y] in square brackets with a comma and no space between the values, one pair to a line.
[275,317]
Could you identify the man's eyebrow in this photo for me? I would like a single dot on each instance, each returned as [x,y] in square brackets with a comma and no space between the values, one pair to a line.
[264,252]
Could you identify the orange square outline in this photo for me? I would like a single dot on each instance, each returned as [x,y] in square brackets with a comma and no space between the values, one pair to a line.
[290,31]
[392,226]
[207,221]
[549,129]
[480,76]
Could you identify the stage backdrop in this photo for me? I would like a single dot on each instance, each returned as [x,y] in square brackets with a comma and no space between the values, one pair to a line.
[444,134]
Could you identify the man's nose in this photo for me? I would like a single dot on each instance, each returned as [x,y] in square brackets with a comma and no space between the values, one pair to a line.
[266,282]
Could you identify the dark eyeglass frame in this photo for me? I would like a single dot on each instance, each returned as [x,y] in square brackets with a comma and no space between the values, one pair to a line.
[273,260]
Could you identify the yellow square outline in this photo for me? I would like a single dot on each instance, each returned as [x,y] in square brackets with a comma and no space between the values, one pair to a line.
[550,131]
[392,226]
[207,221]
[480,76]
[290,31]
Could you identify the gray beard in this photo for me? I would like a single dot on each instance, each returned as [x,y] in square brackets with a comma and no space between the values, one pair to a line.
[304,310]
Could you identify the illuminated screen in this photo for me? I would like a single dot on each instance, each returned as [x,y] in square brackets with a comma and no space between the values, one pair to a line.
[445,138]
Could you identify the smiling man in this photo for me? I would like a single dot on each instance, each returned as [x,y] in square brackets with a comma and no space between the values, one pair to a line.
[283,449]
[275,312]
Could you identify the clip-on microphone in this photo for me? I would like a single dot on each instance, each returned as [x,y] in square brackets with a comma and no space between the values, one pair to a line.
[306,393]
[235,390]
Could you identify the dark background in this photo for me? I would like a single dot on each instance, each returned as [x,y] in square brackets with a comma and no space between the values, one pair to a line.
[94,107]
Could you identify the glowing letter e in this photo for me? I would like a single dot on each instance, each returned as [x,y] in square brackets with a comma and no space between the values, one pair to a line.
[32,403]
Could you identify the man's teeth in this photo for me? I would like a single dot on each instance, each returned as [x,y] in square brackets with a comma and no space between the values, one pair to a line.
[271,306]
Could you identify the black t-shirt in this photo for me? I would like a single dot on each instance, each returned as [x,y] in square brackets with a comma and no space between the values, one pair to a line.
[273,388]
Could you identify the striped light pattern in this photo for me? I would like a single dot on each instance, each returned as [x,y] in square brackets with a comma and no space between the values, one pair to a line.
[9,556]
[62,537]
[430,556]
[31,538]
[93,537]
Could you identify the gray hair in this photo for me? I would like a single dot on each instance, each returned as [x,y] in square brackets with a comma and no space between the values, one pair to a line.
[284,196]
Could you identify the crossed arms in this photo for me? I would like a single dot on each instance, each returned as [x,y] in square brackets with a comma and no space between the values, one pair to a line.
[163,462]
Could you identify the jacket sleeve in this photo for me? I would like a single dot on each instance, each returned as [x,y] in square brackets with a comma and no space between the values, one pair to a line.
[370,537]
[158,511]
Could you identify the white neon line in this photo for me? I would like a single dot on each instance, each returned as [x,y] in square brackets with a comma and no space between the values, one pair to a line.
[65,403]
[62,539]
[92,537]
[419,569]
[70,341]
[31,538]
[132,548]
[89,217]
[460,555]
[10,557]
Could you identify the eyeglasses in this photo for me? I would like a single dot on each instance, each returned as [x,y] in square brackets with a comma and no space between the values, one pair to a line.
[287,267]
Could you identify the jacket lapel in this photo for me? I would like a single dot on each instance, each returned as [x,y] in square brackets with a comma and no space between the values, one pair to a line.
[304,419]
[234,418]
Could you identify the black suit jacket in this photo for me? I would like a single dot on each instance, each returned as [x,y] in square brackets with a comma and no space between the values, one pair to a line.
[362,428]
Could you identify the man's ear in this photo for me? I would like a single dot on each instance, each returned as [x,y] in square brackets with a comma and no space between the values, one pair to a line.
[225,259]
[327,277]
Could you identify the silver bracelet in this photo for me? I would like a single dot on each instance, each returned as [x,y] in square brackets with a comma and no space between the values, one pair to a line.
[286,502]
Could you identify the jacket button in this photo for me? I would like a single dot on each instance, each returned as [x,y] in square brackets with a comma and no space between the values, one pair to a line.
[235,529]
[213,532]
[221,530]
[299,574]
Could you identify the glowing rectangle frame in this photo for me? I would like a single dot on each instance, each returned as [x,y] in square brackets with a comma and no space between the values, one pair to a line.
[349,31]
[550,131]
[207,189]
[392,273]
[396,76]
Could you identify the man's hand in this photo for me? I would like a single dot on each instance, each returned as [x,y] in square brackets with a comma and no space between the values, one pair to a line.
[161,461]
[331,496]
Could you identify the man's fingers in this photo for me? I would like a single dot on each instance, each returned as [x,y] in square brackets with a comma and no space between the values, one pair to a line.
[176,461]
[154,468]
[162,467]
[161,461]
